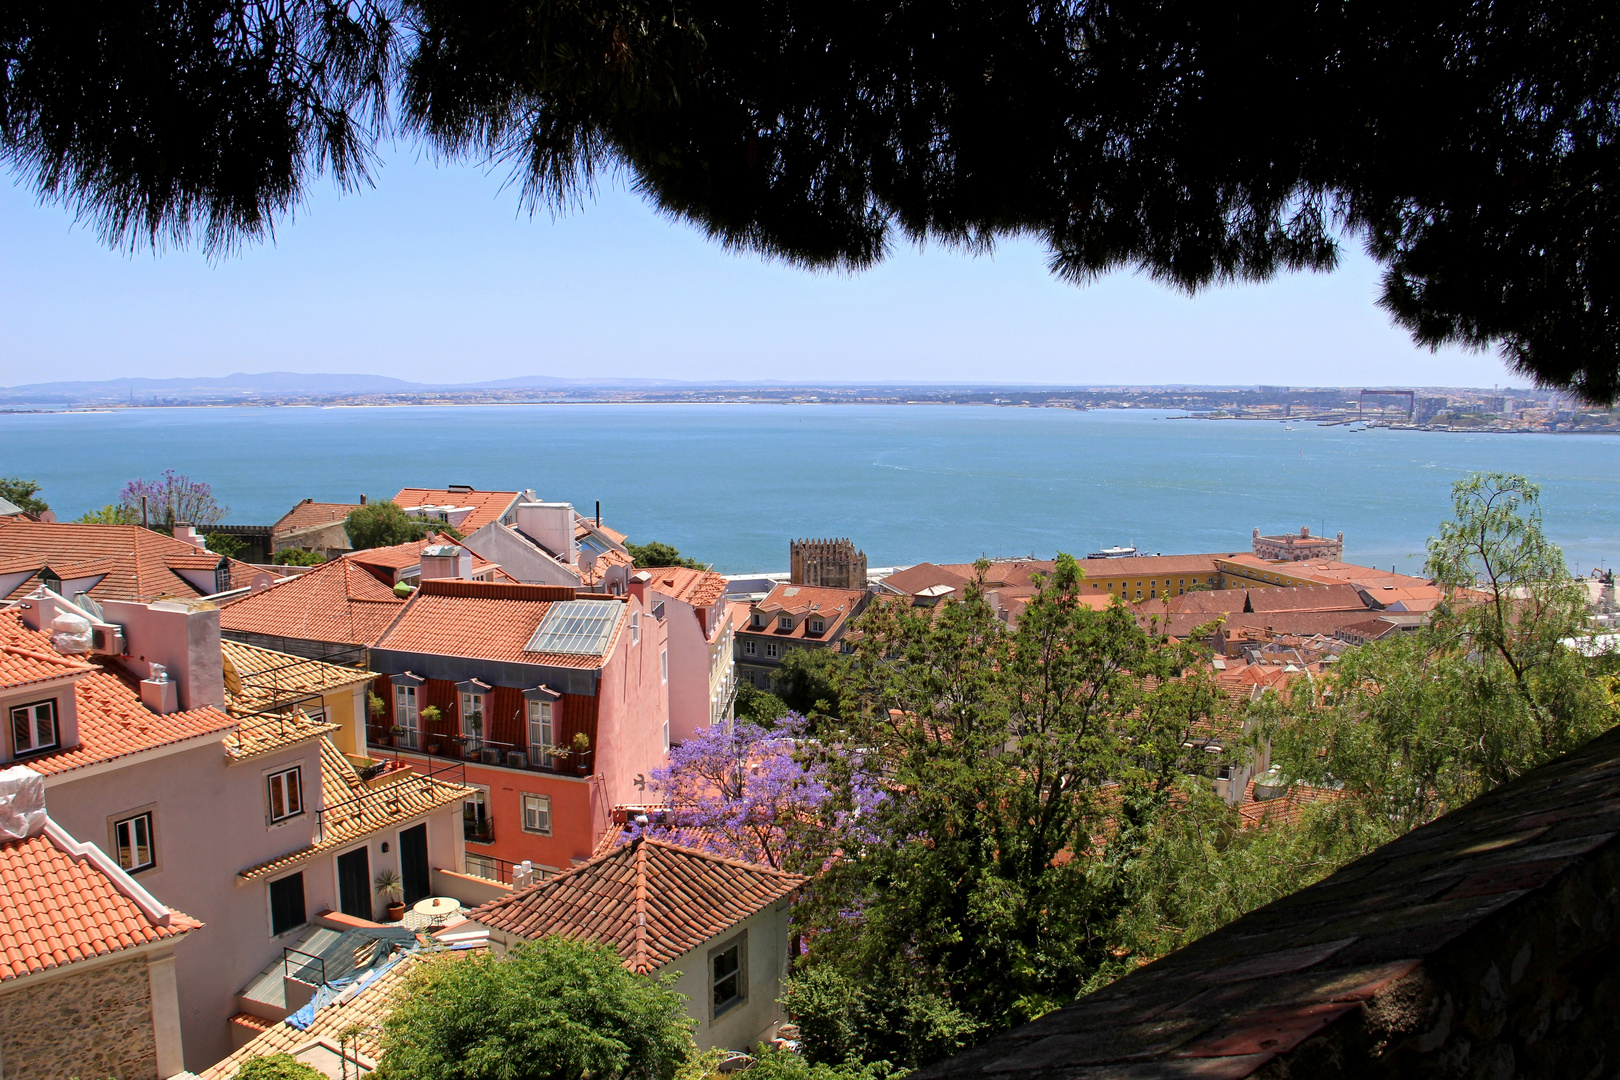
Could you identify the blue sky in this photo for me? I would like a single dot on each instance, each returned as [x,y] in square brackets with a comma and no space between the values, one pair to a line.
[436,275]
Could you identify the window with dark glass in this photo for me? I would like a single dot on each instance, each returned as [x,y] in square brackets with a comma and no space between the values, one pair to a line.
[133,838]
[33,727]
[287,904]
[726,981]
[286,794]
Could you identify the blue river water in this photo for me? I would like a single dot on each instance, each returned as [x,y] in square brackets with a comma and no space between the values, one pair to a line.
[732,484]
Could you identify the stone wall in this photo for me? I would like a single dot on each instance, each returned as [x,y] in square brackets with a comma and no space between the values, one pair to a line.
[86,1025]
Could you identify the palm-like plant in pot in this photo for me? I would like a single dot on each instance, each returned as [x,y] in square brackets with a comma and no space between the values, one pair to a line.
[391,889]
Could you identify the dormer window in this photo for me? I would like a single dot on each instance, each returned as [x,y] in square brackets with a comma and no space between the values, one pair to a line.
[817,626]
[759,621]
[784,622]
[33,727]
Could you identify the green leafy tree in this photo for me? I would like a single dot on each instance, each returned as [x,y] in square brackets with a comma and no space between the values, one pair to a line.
[23,494]
[548,1010]
[1418,723]
[277,1067]
[111,514]
[1024,772]
[759,706]
[808,681]
[298,557]
[656,553]
[225,544]
[384,524]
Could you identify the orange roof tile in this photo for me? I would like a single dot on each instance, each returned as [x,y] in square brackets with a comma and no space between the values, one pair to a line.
[487,506]
[1284,809]
[112,721]
[26,656]
[139,564]
[339,601]
[309,513]
[59,903]
[834,606]
[602,564]
[700,588]
[915,579]
[485,621]
[652,901]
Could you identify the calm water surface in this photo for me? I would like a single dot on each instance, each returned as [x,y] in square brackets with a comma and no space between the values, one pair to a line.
[732,483]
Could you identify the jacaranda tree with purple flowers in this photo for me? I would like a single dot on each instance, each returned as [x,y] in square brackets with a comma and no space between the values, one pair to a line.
[170,498]
[745,792]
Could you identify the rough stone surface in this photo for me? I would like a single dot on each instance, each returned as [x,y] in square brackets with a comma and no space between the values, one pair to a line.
[86,1025]
[1483,945]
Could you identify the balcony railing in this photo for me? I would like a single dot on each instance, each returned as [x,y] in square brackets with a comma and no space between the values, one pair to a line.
[479,750]
[490,868]
[478,830]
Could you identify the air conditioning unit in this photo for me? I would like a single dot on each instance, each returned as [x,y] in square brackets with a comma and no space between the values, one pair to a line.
[489,756]
[517,759]
[106,639]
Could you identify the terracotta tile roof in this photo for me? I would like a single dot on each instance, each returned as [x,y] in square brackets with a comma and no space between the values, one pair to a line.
[310,513]
[1004,573]
[604,563]
[485,621]
[834,606]
[487,505]
[139,564]
[401,556]
[60,903]
[26,656]
[112,721]
[1284,809]
[258,678]
[262,734]
[353,809]
[362,1013]
[915,579]
[1148,566]
[652,901]
[699,588]
[338,601]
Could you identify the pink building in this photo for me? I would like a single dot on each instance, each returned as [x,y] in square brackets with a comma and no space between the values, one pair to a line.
[702,673]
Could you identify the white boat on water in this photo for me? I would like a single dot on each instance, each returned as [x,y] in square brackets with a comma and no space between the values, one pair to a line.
[1113,553]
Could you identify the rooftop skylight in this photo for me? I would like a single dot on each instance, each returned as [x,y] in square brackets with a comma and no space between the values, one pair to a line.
[576,626]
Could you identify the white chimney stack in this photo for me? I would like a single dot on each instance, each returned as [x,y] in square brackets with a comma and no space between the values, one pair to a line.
[551,525]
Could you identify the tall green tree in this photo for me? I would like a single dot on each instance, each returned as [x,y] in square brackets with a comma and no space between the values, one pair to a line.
[1001,783]
[23,494]
[657,553]
[383,524]
[548,1010]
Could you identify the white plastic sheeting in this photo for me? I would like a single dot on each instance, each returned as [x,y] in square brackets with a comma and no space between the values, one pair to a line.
[22,803]
[70,633]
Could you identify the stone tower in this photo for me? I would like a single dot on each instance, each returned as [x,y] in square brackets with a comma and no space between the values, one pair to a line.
[830,564]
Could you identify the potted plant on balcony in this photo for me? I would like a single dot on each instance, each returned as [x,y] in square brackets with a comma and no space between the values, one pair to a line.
[430,716]
[375,706]
[390,888]
[582,751]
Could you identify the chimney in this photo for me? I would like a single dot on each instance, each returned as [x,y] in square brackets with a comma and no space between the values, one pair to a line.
[638,585]
[598,513]
[446,561]
[362,498]
[181,636]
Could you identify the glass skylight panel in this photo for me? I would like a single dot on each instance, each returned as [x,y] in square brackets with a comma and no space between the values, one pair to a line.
[576,626]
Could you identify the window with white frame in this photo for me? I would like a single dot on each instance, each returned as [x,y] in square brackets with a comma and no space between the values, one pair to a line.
[482,866]
[475,821]
[635,628]
[663,664]
[817,626]
[749,648]
[132,841]
[727,978]
[541,732]
[286,793]
[772,649]
[784,622]
[33,727]
[405,716]
[472,720]
[759,620]
[666,736]
[537,814]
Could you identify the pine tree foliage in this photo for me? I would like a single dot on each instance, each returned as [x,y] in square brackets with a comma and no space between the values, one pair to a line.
[1470,147]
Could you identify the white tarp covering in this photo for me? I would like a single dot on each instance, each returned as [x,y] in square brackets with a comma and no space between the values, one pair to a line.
[22,803]
[70,633]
